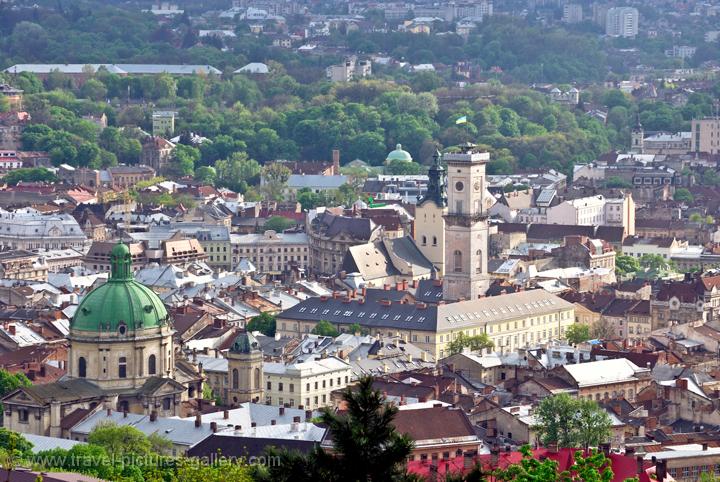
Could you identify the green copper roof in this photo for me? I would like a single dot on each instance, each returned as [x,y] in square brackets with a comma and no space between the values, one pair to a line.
[399,155]
[245,343]
[120,301]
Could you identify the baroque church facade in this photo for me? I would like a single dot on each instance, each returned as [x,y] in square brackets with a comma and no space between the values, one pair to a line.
[121,356]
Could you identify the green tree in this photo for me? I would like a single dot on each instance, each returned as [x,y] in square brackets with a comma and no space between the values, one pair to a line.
[29,174]
[475,343]
[237,172]
[615,182]
[356,328]
[278,224]
[625,264]
[206,175]
[577,333]
[308,199]
[94,90]
[683,195]
[4,104]
[159,444]
[265,323]
[398,167]
[14,444]
[119,440]
[593,467]
[569,422]
[275,177]
[655,262]
[325,328]
[183,160]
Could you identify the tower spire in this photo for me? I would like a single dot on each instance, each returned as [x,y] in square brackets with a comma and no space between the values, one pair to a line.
[436,183]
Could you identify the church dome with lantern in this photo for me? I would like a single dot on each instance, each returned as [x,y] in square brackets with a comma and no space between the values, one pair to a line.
[122,304]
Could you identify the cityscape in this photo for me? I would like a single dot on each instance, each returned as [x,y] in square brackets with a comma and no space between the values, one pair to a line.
[355,241]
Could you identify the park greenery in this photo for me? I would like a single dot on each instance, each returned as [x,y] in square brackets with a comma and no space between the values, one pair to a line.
[265,323]
[294,113]
[577,333]
[473,343]
[570,422]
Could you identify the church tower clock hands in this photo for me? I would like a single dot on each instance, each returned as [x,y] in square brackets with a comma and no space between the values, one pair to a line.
[466,227]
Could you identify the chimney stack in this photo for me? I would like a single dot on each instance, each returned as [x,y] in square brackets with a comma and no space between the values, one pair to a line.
[109,411]
[282,411]
[639,462]
[308,415]
[273,422]
[153,416]
[226,414]
[336,161]
[198,420]
[213,427]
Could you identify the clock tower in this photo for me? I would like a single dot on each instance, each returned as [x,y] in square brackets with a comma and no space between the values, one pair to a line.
[466,227]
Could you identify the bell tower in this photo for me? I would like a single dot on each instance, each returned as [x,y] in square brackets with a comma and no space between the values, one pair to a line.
[429,221]
[245,371]
[466,227]
[637,137]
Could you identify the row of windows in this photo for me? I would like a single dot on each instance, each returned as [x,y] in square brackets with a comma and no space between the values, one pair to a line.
[291,401]
[291,386]
[122,367]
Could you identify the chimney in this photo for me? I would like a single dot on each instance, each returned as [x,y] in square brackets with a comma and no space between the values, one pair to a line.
[124,412]
[282,411]
[399,286]
[109,412]
[198,420]
[704,446]
[308,415]
[273,422]
[12,329]
[253,424]
[661,470]
[405,285]
[386,287]
[296,419]
[153,416]
[364,291]
[336,161]
[639,462]
[213,427]
[226,414]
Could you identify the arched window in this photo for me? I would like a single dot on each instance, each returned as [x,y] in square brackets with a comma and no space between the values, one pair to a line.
[152,369]
[457,261]
[434,240]
[479,261]
[82,367]
[424,240]
[235,378]
[256,381]
[122,367]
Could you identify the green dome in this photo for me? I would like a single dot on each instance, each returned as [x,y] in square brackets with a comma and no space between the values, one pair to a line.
[399,155]
[121,301]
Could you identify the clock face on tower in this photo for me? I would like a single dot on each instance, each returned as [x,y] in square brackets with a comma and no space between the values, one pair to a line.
[476,186]
[459,186]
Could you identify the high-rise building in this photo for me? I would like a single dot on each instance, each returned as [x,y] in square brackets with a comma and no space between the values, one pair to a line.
[466,227]
[572,13]
[622,22]
[705,135]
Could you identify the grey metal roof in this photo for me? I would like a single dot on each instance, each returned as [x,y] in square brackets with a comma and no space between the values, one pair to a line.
[41,442]
[298,181]
[430,318]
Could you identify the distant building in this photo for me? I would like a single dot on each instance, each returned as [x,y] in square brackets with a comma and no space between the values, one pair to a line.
[572,13]
[271,252]
[14,96]
[22,265]
[571,97]
[123,177]
[33,230]
[622,22]
[163,123]
[156,153]
[331,235]
[309,383]
[681,51]
[705,135]
[349,70]
[668,143]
